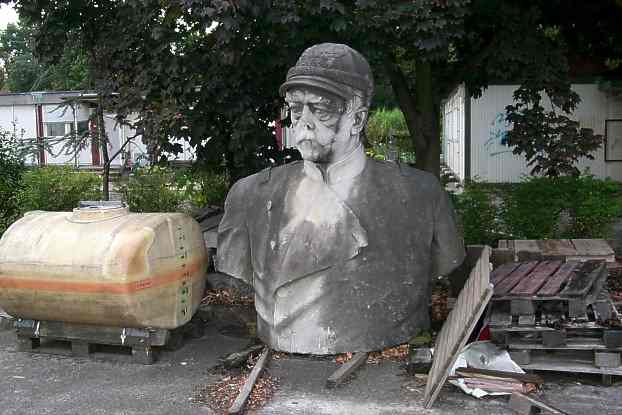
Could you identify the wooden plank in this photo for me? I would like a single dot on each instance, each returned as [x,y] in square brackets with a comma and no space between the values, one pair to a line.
[580,281]
[501,256]
[555,338]
[571,344]
[556,248]
[499,274]
[514,278]
[346,369]
[527,405]
[598,284]
[503,244]
[460,323]
[559,364]
[593,248]
[547,361]
[536,279]
[487,374]
[527,250]
[245,392]
[558,279]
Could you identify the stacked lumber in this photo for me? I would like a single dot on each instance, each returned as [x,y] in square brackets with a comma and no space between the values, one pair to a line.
[556,315]
[497,381]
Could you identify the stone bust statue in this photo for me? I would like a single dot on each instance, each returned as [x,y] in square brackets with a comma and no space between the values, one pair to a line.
[340,249]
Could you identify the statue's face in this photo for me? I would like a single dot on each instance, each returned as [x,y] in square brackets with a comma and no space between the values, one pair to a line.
[322,126]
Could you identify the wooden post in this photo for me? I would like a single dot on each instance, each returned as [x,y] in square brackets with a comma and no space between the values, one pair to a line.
[245,392]
[346,369]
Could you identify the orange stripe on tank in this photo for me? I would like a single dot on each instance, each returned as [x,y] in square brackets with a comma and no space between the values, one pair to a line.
[89,287]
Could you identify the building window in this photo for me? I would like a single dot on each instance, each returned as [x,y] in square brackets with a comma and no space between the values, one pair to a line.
[61,129]
[55,129]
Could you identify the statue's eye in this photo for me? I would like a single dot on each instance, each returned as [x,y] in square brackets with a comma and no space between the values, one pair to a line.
[296,110]
[322,114]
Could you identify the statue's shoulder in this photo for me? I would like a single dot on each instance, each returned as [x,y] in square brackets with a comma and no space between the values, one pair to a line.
[400,172]
[278,173]
[272,175]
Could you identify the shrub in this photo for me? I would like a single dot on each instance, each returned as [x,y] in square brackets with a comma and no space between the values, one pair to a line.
[562,207]
[57,188]
[477,214]
[387,132]
[162,189]
[152,189]
[538,208]
[11,169]
[203,188]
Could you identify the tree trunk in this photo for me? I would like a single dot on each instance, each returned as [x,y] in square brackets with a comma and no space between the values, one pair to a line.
[420,113]
[427,110]
[103,142]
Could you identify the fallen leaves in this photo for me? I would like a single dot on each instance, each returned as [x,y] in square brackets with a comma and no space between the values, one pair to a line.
[398,353]
[226,296]
[220,396]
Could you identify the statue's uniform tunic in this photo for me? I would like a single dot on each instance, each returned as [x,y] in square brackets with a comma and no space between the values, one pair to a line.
[340,260]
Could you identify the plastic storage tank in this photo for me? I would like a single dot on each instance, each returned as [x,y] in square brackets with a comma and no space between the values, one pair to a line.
[103,265]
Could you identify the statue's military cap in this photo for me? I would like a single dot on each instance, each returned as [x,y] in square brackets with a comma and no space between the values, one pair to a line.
[332,67]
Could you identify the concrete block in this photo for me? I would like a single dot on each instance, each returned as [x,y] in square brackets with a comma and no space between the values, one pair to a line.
[521,357]
[606,359]
[521,307]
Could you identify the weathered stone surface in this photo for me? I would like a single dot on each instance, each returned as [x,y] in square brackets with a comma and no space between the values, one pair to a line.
[340,249]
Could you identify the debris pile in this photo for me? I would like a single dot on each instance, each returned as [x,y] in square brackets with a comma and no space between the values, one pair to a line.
[226,296]
[494,381]
[220,396]
[397,354]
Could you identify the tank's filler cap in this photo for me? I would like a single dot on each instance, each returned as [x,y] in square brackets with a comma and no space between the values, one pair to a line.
[97,210]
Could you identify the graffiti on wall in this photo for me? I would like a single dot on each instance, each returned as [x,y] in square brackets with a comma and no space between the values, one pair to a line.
[497,142]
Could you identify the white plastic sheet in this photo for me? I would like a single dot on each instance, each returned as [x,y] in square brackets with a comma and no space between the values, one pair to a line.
[483,355]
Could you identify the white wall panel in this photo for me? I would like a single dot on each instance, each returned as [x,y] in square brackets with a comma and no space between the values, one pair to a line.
[453,128]
[493,161]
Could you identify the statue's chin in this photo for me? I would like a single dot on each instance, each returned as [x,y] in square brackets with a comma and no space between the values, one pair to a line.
[312,151]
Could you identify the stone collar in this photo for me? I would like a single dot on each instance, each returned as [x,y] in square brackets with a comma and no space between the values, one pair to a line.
[346,169]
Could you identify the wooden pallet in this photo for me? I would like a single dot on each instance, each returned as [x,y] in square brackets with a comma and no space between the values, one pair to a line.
[562,249]
[575,361]
[137,345]
[546,287]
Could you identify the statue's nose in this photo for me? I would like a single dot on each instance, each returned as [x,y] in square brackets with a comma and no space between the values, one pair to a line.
[306,118]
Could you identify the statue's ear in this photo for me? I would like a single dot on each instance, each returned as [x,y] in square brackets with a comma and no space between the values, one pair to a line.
[360,119]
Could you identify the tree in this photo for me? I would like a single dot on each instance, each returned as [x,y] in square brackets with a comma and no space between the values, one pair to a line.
[11,168]
[23,72]
[210,70]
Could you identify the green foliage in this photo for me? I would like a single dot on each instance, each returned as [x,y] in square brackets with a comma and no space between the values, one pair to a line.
[11,168]
[539,208]
[477,214]
[57,188]
[24,72]
[162,189]
[152,189]
[155,54]
[562,207]
[203,188]
[388,136]
[550,141]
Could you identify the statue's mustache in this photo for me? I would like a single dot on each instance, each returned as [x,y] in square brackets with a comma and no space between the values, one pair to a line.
[310,136]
